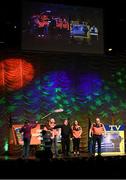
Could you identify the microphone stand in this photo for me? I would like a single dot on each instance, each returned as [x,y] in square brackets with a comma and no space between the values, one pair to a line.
[55,111]
[47,115]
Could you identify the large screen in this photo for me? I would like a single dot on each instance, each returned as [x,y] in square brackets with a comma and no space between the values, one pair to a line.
[64,28]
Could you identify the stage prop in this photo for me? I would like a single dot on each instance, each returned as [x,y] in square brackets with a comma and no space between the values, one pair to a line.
[18,137]
[114,142]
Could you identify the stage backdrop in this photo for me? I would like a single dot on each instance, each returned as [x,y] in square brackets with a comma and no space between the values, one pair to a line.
[35,84]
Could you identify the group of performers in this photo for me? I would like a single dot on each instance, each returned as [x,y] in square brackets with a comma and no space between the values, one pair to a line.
[50,133]
[68,132]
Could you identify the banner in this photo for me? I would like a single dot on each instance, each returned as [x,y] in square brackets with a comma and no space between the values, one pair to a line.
[114,142]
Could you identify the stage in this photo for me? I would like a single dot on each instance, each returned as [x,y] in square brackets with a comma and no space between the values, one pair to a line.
[59,157]
[83,166]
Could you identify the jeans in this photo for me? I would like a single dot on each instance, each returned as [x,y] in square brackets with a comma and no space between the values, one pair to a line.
[98,139]
[26,148]
[55,146]
[90,145]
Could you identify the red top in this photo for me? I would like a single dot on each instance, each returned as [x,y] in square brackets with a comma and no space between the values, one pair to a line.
[26,129]
[97,129]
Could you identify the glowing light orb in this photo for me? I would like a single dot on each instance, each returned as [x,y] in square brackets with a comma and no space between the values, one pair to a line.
[15,73]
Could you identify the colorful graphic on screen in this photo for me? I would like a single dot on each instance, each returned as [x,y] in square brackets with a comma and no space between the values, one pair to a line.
[58,27]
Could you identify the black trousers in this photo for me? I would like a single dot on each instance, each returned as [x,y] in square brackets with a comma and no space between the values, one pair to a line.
[97,139]
[65,145]
[76,144]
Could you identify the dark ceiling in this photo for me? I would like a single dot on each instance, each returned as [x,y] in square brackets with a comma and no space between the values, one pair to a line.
[114,22]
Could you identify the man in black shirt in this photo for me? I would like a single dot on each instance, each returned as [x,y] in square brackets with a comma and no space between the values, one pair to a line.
[66,134]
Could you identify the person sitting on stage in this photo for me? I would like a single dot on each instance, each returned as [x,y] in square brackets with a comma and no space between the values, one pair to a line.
[66,134]
[26,130]
[77,132]
[97,130]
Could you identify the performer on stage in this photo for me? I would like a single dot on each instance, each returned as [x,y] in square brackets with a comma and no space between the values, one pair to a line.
[97,131]
[48,135]
[26,130]
[77,132]
[47,141]
[66,134]
[55,132]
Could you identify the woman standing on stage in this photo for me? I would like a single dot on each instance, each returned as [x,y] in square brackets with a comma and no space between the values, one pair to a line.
[55,133]
[77,132]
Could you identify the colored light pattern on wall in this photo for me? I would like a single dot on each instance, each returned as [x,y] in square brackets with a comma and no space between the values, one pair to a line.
[81,94]
[120,78]
[15,73]
[89,88]
[58,90]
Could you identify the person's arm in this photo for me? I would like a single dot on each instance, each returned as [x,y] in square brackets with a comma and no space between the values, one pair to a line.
[90,131]
[21,130]
[34,125]
[45,129]
[104,130]
[57,126]
[71,132]
[77,133]
[80,131]
[72,127]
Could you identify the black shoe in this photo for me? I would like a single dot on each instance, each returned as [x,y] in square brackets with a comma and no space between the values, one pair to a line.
[63,155]
[92,155]
[67,154]
[56,156]
[74,153]
[99,154]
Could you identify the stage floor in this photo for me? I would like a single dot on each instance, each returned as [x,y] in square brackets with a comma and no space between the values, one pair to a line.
[84,166]
[71,156]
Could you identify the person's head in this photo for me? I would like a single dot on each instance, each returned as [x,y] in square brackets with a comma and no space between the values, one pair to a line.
[76,123]
[26,122]
[66,122]
[97,120]
[52,121]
